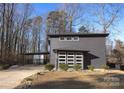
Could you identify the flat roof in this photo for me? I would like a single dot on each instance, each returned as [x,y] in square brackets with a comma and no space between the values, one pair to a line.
[70,49]
[80,34]
[39,53]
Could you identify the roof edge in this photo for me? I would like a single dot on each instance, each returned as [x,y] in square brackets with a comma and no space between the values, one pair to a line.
[81,34]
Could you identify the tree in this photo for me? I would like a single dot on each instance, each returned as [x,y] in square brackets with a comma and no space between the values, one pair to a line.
[7,16]
[36,33]
[83,29]
[56,22]
[106,16]
[74,13]
[118,52]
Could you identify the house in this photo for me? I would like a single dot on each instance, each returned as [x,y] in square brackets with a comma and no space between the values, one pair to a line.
[78,48]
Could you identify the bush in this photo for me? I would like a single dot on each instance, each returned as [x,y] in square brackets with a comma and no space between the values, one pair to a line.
[63,67]
[77,67]
[49,66]
[90,67]
[105,67]
[4,66]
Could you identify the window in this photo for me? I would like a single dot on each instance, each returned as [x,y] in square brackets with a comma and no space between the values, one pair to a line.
[70,56]
[61,38]
[68,38]
[76,38]
[61,56]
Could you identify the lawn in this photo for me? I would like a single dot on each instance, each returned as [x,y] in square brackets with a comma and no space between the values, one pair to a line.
[76,80]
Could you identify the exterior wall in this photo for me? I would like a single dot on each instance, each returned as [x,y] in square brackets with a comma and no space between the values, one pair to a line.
[95,46]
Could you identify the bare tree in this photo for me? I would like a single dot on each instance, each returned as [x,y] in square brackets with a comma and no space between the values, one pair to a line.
[106,16]
[75,14]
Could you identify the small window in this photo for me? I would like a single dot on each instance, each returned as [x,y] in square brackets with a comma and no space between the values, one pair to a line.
[61,59]
[70,53]
[76,38]
[61,38]
[70,60]
[70,57]
[68,38]
[79,57]
[61,56]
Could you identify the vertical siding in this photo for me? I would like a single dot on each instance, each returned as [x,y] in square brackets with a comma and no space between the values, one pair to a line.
[96,46]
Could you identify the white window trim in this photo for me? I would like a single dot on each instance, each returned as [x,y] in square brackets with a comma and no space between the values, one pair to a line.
[72,39]
[61,40]
[69,40]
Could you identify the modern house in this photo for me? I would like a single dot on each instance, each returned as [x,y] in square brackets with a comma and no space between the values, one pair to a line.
[78,48]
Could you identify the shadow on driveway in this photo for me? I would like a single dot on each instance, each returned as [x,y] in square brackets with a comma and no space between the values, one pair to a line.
[63,83]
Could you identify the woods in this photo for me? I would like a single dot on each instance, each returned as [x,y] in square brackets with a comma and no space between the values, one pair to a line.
[18,32]
[21,32]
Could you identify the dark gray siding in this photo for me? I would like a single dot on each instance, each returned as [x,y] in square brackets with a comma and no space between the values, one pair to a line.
[95,46]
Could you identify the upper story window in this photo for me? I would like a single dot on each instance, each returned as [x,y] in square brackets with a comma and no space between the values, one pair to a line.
[61,38]
[69,38]
[76,38]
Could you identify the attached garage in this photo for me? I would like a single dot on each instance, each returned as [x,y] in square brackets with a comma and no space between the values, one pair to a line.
[70,57]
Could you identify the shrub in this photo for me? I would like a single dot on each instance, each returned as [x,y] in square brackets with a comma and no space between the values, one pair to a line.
[90,67]
[63,67]
[49,66]
[4,66]
[77,67]
[105,67]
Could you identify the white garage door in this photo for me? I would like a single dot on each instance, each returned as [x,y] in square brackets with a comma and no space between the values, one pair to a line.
[70,58]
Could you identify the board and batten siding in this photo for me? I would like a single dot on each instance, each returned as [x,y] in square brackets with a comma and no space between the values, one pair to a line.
[95,46]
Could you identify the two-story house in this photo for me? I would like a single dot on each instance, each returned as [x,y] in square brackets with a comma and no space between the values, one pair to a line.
[76,48]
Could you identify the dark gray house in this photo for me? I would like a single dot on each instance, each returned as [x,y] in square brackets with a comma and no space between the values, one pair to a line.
[78,48]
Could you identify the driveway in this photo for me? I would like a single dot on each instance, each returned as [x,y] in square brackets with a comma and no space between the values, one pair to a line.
[14,75]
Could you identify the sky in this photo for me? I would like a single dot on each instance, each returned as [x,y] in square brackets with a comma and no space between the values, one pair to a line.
[42,9]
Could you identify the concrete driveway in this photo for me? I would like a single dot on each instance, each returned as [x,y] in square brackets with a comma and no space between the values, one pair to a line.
[14,75]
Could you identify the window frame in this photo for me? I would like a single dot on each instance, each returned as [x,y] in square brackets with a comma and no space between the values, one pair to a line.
[72,38]
[68,37]
[76,37]
[61,39]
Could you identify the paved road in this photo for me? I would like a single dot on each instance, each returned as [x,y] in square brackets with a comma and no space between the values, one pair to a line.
[12,77]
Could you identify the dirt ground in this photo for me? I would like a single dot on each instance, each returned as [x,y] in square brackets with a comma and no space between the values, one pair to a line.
[78,80]
[12,77]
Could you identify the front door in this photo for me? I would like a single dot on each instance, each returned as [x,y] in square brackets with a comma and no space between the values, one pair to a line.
[70,58]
